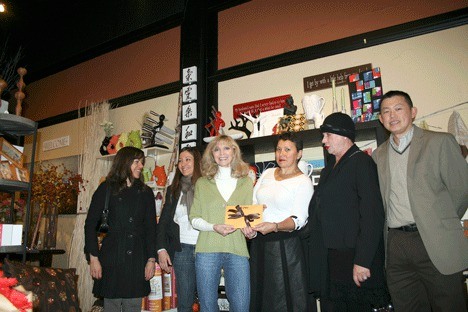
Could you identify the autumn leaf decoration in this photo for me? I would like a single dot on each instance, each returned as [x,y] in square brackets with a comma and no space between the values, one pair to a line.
[56,185]
[239,213]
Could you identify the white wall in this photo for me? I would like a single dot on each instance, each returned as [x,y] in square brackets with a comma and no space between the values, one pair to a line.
[125,119]
[432,68]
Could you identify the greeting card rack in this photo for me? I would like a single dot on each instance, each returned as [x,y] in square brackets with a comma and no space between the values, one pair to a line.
[16,128]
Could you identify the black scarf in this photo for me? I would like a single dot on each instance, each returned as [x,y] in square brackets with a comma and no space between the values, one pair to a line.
[187,189]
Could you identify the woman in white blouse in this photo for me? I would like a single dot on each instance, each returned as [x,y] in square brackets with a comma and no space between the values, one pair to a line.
[277,263]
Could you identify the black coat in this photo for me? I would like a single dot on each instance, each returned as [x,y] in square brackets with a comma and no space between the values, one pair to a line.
[168,234]
[129,243]
[346,211]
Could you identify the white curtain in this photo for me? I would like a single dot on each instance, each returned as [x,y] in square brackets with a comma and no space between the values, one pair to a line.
[92,167]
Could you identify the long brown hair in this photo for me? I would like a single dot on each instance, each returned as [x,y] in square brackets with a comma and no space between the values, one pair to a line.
[121,168]
[178,175]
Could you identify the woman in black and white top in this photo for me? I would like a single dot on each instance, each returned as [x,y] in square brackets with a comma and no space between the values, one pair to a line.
[176,238]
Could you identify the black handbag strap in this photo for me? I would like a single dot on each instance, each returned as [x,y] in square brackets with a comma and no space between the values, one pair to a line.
[104,226]
[106,204]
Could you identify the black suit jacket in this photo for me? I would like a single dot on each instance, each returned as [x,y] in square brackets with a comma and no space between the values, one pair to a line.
[168,234]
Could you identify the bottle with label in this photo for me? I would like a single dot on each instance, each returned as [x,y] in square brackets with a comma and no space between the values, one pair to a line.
[156,295]
[158,201]
[167,289]
[174,289]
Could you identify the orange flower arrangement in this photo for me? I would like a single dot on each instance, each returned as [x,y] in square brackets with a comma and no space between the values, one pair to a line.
[58,186]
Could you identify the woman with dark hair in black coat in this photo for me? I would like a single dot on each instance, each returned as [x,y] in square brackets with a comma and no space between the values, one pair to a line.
[125,263]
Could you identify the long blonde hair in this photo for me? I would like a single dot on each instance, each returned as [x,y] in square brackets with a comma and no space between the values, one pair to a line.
[210,167]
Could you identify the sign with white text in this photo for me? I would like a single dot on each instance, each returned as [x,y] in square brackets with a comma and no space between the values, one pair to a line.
[256,107]
[56,143]
[324,81]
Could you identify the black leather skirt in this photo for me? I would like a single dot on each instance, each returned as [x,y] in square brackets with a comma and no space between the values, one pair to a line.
[278,273]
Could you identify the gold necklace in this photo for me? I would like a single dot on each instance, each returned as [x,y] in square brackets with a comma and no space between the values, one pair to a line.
[283,176]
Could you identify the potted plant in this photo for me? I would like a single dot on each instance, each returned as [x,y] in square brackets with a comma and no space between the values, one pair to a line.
[55,190]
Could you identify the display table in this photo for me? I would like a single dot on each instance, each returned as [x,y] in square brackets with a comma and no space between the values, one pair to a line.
[44,256]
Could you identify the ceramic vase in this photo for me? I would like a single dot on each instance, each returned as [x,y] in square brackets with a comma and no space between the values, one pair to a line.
[159,174]
[103,148]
